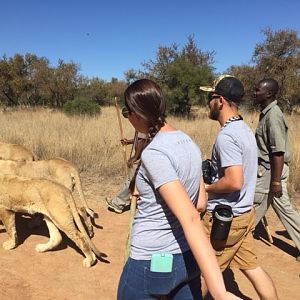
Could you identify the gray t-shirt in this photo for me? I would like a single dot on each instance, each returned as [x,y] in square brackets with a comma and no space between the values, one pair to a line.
[170,156]
[235,146]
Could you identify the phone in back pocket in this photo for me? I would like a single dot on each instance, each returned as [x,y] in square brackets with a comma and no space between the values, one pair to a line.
[161,262]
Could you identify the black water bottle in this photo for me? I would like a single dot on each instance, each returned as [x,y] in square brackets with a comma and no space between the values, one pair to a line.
[222,218]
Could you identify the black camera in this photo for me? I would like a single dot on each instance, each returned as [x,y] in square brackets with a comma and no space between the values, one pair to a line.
[207,171]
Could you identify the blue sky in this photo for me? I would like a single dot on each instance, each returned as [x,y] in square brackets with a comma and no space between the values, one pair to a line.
[109,37]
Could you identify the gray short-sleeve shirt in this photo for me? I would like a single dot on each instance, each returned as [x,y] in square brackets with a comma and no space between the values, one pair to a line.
[235,146]
[170,156]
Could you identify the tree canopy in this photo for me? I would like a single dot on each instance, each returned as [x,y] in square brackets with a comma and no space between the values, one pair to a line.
[30,80]
[180,70]
[278,57]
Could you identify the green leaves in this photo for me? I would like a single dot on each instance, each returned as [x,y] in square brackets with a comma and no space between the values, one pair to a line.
[180,72]
[278,57]
[81,106]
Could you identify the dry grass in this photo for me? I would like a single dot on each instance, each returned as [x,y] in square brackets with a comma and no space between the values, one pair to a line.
[92,143]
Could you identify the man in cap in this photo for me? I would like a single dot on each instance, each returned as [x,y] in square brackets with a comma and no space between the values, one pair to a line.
[234,169]
[273,160]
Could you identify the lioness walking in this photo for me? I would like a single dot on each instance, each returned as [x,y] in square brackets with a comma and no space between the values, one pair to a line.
[58,169]
[55,202]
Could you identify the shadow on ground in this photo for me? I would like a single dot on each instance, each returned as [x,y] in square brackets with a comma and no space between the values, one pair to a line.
[231,286]
[261,234]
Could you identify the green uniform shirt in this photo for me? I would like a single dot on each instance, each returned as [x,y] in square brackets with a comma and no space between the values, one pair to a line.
[272,134]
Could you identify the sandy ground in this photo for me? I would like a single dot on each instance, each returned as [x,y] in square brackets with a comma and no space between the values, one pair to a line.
[59,274]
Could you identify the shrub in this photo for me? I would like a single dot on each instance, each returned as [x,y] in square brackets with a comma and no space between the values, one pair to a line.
[81,106]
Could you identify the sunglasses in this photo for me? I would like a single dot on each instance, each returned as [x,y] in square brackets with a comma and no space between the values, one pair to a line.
[125,112]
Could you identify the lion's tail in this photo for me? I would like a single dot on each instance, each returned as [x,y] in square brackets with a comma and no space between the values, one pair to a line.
[78,185]
[80,226]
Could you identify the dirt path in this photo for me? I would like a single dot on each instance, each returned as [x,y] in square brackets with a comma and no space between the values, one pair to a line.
[26,274]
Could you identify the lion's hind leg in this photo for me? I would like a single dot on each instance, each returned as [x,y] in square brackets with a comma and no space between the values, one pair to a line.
[8,218]
[54,240]
[63,218]
[79,239]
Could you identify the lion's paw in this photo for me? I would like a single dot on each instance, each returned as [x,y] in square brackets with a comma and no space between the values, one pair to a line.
[10,244]
[87,262]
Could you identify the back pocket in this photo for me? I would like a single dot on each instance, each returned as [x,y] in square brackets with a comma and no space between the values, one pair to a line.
[159,283]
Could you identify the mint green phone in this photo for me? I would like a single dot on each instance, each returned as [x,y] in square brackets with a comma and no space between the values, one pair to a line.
[161,262]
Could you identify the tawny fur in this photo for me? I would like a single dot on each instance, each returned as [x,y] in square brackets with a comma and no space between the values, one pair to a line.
[51,199]
[15,152]
[58,169]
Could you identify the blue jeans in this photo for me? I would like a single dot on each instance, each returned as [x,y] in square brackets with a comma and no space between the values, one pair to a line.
[183,283]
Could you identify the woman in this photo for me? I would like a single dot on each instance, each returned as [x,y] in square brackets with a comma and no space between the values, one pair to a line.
[168,240]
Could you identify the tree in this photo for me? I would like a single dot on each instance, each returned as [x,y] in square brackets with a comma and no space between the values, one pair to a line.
[196,56]
[278,56]
[157,68]
[115,88]
[63,82]
[183,79]
[180,72]
[94,89]
[13,79]
[28,80]
[37,72]
[248,75]
[132,75]
[7,93]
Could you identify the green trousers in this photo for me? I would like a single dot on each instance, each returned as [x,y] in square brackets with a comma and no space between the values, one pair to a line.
[289,217]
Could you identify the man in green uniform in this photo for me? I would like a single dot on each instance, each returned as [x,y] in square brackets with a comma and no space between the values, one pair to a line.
[273,160]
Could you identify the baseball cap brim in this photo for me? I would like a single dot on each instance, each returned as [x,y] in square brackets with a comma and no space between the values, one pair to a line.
[207,88]
[215,83]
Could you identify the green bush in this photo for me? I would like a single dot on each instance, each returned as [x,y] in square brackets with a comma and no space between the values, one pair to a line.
[81,106]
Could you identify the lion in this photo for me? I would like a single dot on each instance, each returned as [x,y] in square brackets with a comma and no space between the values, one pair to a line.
[15,152]
[59,170]
[55,202]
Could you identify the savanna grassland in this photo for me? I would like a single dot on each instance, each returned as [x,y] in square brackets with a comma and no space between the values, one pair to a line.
[92,143]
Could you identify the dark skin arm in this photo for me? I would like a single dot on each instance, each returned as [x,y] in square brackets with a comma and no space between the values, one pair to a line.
[277,162]
[140,144]
[126,142]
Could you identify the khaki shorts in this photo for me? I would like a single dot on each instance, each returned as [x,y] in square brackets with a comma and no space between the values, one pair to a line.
[238,250]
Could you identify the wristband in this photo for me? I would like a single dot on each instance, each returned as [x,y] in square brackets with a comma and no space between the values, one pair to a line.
[276,182]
